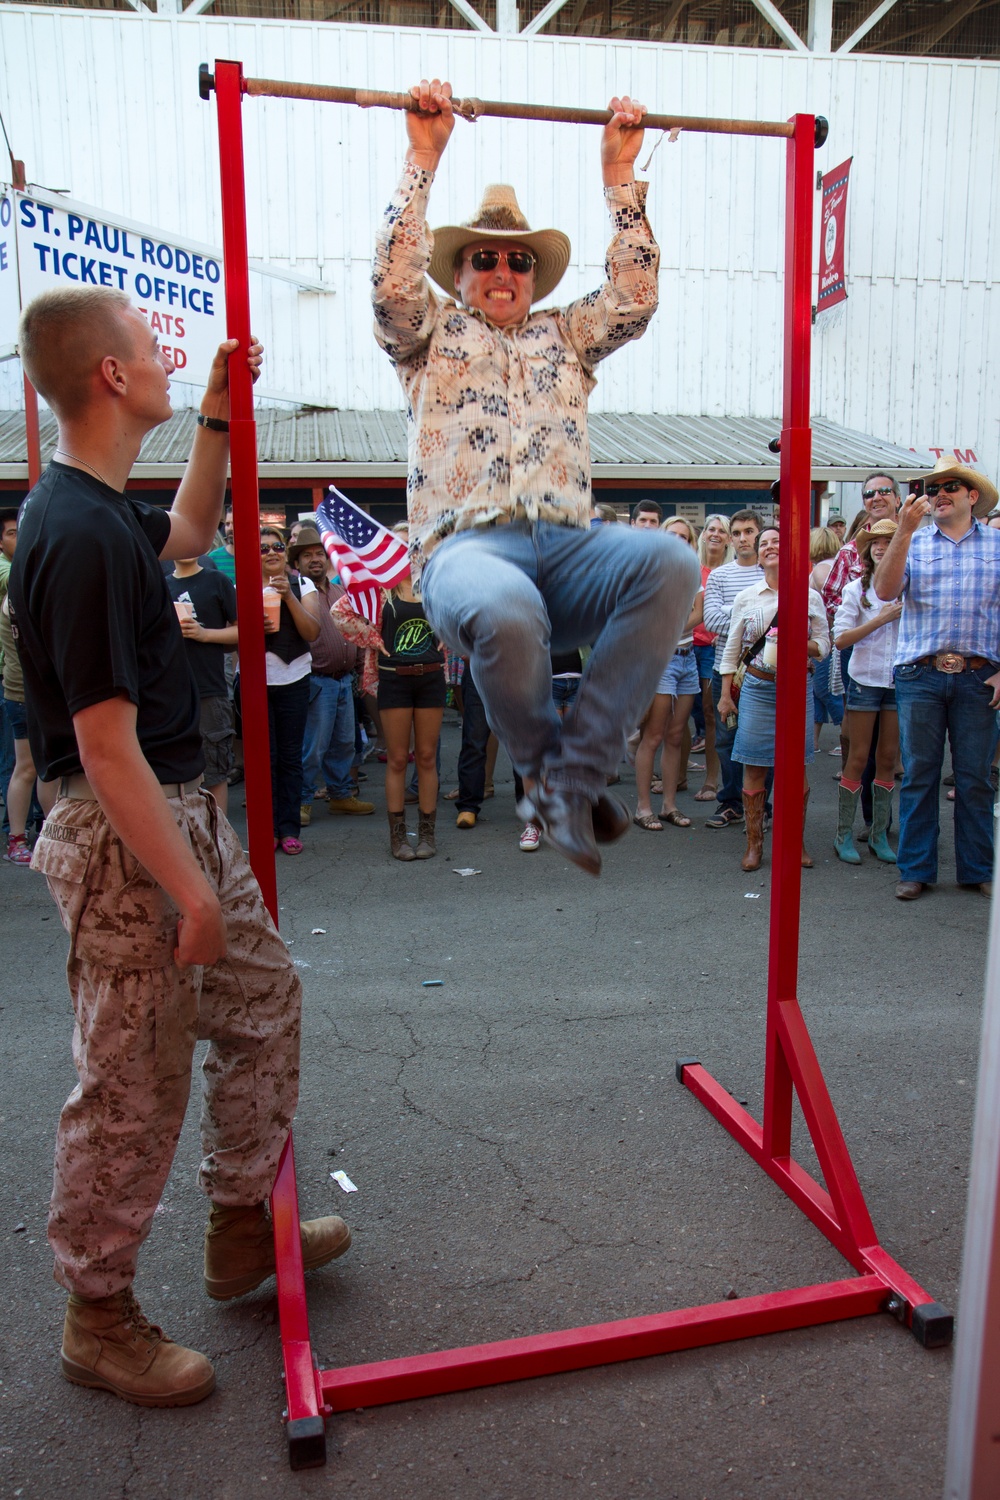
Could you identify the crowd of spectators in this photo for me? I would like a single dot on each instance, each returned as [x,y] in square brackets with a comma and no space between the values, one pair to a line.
[342,689]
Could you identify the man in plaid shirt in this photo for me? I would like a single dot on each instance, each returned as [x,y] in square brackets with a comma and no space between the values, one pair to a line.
[947,670]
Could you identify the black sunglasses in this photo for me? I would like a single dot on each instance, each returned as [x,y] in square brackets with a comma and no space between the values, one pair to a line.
[519,261]
[266,547]
[870,494]
[950,487]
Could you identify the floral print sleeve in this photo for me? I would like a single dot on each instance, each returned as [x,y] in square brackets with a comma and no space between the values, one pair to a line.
[406,307]
[620,310]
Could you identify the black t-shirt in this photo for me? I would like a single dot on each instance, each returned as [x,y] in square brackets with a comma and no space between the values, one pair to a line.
[407,634]
[213,598]
[95,620]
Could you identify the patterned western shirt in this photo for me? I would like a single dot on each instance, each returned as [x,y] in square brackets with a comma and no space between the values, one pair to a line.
[497,418]
[847,566]
[951,595]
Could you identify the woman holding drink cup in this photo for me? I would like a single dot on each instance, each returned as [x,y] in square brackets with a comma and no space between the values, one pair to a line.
[290,624]
[752,645]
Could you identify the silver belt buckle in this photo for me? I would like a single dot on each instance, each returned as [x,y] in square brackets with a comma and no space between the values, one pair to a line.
[949,661]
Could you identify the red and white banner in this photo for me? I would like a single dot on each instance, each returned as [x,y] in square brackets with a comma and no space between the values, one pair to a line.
[833,237]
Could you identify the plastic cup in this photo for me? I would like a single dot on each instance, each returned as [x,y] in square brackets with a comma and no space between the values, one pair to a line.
[272,609]
[185,611]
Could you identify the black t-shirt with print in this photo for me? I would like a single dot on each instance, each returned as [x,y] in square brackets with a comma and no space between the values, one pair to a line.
[95,620]
[213,599]
[407,634]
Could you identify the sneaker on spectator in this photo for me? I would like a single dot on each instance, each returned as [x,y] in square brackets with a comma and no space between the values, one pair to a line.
[725,819]
[530,838]
[17,851]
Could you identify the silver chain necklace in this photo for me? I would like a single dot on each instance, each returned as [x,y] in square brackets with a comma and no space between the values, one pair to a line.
[66,454]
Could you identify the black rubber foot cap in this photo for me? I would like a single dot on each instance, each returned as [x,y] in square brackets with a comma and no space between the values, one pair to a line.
[306,1442]
[685,1062]
[933,1325]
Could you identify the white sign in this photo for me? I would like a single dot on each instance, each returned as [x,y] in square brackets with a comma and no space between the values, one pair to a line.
[9,301]
[176,284]
[693,511]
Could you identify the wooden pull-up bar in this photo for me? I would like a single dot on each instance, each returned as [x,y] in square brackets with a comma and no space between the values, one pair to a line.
[474,109]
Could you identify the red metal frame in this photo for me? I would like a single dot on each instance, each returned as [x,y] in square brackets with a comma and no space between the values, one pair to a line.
[839,1208]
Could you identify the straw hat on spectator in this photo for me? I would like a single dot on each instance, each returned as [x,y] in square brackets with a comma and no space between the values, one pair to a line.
[948,468]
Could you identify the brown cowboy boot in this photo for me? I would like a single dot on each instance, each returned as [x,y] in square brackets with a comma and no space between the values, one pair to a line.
[753,813]
[109,1345]
[398,845]
[239,1248]
[807,863]
[426,847]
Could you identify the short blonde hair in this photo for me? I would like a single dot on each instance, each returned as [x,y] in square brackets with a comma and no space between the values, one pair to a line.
[63,336]
[692,535]
[823,544]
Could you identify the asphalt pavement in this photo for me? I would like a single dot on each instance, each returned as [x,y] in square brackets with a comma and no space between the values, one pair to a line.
[525,1161]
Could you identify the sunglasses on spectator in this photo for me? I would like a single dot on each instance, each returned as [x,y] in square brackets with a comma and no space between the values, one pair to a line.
[266,547]
[870,494]
[950,487]
[519,261]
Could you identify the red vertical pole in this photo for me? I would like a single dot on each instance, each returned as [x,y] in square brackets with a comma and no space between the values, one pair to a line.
[32,433]
[305,1429]
[243,459]
[793,632]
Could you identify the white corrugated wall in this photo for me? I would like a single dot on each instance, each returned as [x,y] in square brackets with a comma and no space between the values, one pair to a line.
[106,106]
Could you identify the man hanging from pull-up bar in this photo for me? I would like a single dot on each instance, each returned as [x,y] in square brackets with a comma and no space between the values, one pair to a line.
[499,470]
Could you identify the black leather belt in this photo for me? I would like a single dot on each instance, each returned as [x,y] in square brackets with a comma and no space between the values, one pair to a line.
[417,670]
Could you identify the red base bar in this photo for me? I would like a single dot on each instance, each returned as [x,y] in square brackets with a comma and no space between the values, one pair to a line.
[600,1344]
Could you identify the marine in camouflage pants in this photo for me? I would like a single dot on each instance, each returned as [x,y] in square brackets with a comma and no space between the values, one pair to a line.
[138,1017]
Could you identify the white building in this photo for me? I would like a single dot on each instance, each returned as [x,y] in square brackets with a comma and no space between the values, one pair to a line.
[104,105]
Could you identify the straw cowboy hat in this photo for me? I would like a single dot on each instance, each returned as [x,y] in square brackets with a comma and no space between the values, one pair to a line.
[864,539]
[499,217]
[307,537]
[947,468]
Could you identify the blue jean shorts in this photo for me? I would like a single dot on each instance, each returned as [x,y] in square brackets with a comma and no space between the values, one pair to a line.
[680,675]
[869,700]
[705,657]
[17,718]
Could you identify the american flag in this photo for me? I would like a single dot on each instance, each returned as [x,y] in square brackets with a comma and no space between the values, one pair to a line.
[367,556]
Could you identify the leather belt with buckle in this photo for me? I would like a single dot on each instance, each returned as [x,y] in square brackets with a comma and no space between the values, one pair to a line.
[951,662]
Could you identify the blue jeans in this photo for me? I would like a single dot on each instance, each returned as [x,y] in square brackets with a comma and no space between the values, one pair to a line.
[730,793]
[826,705]
[328,744]
[504,595]
[931,704]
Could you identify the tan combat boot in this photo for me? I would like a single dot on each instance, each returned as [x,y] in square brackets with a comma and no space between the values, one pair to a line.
[426,845]
[111,1346]
[239,1248]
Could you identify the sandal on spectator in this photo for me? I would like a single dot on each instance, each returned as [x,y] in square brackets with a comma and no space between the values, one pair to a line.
[649,821]
[291,846]
[708,793]
[674,818]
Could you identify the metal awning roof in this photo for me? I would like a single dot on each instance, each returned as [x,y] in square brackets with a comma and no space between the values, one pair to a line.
[310,447]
